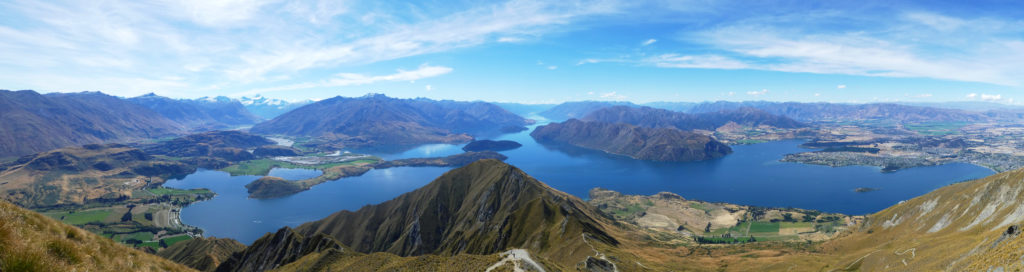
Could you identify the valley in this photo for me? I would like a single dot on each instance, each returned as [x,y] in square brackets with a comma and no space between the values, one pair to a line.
[511,136]
[168,195]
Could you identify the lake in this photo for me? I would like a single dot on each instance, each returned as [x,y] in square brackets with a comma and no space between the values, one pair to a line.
[751,175]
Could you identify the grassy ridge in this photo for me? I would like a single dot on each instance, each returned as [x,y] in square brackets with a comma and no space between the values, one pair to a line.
[32,242]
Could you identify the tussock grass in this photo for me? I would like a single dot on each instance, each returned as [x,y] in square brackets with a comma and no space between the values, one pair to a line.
[33,242]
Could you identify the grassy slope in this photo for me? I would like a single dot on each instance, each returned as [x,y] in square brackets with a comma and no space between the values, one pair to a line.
[32,242]
[958,227]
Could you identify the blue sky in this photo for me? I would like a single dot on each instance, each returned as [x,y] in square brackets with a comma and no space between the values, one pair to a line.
[520,51]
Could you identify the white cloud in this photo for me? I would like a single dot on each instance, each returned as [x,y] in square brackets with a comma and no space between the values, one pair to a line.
[236,45]
[972,95]
[613,95]
[510,39]
[700,61]
[552,67]
[588,61]
[817,94]
[428,88]
[649,42]
[590,93]
[936,21]
[981,50]
[991,97]
[923,95]
[841,86]
[756,93]
[732,93]
[351,79]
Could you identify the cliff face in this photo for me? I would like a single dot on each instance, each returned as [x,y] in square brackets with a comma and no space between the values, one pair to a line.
[657,144]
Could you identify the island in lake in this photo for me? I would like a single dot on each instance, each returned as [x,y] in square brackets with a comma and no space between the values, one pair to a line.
[489,145]
[643,143]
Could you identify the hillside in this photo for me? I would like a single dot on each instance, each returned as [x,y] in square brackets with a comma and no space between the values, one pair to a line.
[969,226]
[659,118]
[375,120]
[203,254]
[657,144]
[79,175]
[32,242]
[31,122]
[486,207]
[199,114]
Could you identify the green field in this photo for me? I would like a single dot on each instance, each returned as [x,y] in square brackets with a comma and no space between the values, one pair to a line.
[141,236]
[169,241]
[80,217]
[169,191]
[937,128]
[786,225]
[629,210]
[262,167]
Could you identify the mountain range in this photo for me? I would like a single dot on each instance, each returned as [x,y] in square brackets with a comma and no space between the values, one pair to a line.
[380,120]
[31,122]
[206,113]
[268,108]
[660,118]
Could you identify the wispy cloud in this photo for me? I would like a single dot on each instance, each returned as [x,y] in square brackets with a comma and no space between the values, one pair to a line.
[352,79]
[613,96]
[756,93]
[700,61]
[894,51]
[841,86]
[649,42]
[241,44]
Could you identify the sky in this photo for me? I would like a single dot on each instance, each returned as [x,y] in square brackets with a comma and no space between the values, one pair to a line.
[520,51]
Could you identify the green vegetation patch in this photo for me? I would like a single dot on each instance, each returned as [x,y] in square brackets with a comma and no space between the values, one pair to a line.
[173,192]
[936,128]
[140,236]
[80,217]
[764,227]
[629,210]
[788,225]
[176,239]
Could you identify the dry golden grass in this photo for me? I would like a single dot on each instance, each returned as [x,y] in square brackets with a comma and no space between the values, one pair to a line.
[32,242]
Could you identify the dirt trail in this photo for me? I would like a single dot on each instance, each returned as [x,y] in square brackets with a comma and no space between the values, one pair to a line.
[516,256]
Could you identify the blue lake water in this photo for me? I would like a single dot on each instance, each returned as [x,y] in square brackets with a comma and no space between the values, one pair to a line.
[751,175]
